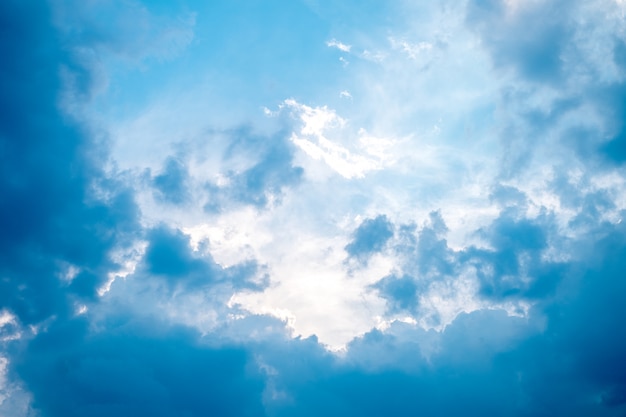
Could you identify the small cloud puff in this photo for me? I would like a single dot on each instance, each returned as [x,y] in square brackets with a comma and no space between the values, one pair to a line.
[339,45]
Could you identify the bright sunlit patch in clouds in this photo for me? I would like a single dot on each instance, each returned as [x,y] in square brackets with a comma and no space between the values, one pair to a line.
[310,281]
[233,237]
[350,160]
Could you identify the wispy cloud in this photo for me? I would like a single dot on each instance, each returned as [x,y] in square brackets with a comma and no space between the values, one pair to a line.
[339,45]
[317,123]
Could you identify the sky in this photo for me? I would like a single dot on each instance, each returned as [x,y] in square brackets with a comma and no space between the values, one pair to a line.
[312,207]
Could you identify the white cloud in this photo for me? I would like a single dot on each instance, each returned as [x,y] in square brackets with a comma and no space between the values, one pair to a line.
[337,157]
[313,290]
[310,288]
[234,236]
[339,45]
[311,137]
[412,50]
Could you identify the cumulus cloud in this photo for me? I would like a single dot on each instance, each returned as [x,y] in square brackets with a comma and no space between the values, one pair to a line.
[58,208]
[136,368]
[370,237]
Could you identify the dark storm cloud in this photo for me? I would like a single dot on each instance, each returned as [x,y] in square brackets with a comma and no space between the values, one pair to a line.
[136,368]
[48,215]
[383,373]
[52,219]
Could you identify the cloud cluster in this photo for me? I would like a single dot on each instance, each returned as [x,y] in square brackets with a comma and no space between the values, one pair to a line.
[61,217]
[218,274]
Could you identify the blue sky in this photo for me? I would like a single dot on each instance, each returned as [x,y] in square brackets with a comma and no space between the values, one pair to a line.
[303,208]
